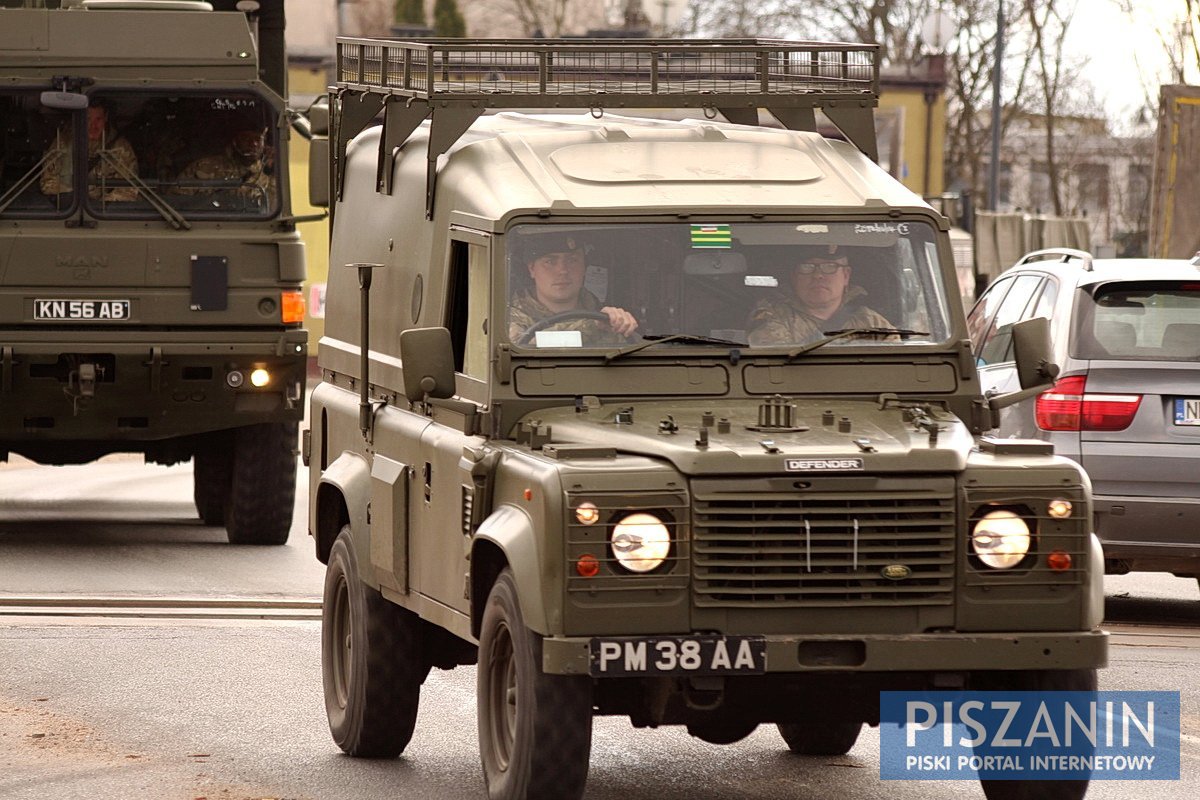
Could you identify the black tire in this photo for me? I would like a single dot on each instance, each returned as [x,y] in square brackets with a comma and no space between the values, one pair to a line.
[535,730]
[212,479]
[832,738]
[263,491]
[1050,680]
[371,664]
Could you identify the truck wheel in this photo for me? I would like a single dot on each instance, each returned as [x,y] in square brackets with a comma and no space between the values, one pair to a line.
[264,484]
[1049,680]
[371,664]
[535,730]
[212,481]
[833,738]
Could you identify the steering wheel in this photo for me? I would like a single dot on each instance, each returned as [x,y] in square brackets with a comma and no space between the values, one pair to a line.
[541,325]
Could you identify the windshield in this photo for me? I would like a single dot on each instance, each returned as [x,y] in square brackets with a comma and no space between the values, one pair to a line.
[1140,321]
[754,283]
[144,154]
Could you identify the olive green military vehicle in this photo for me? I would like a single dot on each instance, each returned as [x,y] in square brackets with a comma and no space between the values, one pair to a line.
[578,426]
[149,264]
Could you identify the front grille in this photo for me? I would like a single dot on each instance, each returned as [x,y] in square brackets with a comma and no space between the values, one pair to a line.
[828,543]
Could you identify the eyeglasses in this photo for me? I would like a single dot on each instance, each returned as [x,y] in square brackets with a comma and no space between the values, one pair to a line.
[824,267]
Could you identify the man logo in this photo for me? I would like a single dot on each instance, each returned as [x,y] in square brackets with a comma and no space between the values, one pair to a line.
[823,464]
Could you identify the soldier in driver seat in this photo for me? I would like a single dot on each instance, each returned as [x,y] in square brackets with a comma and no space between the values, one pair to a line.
[557,264]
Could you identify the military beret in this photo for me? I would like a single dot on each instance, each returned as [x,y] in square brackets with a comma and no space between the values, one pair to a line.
[533,246]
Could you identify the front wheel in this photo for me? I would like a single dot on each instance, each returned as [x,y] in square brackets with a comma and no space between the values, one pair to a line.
[1048,680]
[820,738]
[535,730]
[372,667]
[263,490]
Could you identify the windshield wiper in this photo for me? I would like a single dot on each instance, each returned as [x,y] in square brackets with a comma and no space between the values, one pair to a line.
[651,339]
[23,183]
[842,333]
[168,212]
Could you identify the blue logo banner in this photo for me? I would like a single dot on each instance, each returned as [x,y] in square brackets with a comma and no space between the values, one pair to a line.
[1029,735]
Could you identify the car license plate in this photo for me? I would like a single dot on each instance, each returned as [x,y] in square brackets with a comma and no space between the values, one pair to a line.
[99,310]
[678,655]
[1187,410]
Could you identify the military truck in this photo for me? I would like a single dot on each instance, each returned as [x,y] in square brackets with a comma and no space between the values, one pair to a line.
[150,268]
[620,489]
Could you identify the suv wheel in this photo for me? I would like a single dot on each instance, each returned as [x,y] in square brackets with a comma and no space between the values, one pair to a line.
[832,738]
[371,664]
[1047,680]
[212,479]
[535,730]
[263,491]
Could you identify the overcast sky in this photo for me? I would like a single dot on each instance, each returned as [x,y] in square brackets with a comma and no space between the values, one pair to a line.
[1123,55]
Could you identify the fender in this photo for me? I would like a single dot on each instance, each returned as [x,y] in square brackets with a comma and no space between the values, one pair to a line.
[350,475]
[511,530]
[1093,609]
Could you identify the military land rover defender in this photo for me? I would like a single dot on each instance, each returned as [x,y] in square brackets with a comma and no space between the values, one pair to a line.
[674,420]
[149,264]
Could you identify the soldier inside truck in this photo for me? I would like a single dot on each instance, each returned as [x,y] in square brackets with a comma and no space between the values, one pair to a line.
[704,281]
[167,132]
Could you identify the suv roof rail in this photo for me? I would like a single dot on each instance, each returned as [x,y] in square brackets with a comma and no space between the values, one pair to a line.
[453,81]
[1063,254]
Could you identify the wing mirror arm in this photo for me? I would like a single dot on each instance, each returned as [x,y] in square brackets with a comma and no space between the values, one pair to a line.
[1034,357]
[1005,400]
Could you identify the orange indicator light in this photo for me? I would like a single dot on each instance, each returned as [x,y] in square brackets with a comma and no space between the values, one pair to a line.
[529,494]
[587,566]
[1058,561]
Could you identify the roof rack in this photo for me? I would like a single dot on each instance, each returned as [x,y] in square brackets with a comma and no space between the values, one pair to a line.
[455,80]
[1063,254]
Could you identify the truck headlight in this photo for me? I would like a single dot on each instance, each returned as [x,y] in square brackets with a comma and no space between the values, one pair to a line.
[640,542]
[1000,539]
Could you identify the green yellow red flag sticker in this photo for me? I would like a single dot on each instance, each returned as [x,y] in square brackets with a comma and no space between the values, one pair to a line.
[714,236]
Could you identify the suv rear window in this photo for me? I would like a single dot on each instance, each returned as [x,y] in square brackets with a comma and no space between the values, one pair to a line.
[1139,321]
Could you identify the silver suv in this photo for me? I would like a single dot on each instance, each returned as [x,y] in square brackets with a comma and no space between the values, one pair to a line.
[1126,405]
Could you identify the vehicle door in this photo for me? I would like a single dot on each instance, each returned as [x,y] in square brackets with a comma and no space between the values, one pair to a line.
[993,348]
[444,486]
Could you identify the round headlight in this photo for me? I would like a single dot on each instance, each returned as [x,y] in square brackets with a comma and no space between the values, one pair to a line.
[260,377]
[1000,539]
[641,542]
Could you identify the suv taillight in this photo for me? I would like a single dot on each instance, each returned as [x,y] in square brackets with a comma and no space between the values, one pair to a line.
[1067,406]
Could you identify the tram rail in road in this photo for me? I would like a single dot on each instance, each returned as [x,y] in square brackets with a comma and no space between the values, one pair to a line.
[216,608]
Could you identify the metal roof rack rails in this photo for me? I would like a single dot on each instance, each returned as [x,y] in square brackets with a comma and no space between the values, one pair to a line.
[453,81]
[1063,254]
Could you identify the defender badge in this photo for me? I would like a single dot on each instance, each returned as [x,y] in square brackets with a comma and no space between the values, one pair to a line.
[895,572]
[822,464]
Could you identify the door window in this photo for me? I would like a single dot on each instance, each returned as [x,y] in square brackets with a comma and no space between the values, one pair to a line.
[996,346]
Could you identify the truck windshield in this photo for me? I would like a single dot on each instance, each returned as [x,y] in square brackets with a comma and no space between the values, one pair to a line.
[144,155]
[756,283]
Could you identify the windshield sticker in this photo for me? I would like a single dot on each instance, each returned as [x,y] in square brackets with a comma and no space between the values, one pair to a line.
[712,236]
[558,339]
[762,280]
[882,227]
[812,228]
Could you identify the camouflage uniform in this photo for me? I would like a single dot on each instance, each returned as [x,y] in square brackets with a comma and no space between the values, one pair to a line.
[117,161]
[782,320]
[253,184]
[525,311]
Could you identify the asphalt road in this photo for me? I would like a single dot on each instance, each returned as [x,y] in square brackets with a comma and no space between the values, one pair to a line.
[116,708]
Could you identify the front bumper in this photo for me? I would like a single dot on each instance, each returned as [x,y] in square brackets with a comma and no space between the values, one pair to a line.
[924,652]
[107,386]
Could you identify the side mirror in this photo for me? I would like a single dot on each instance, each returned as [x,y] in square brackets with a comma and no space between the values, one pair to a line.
[428,363]
[318,171]
[1034,353]
[318,116]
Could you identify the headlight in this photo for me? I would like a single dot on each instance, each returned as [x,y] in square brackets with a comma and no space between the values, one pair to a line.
[641,542]
[1000,539]
[260,377]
